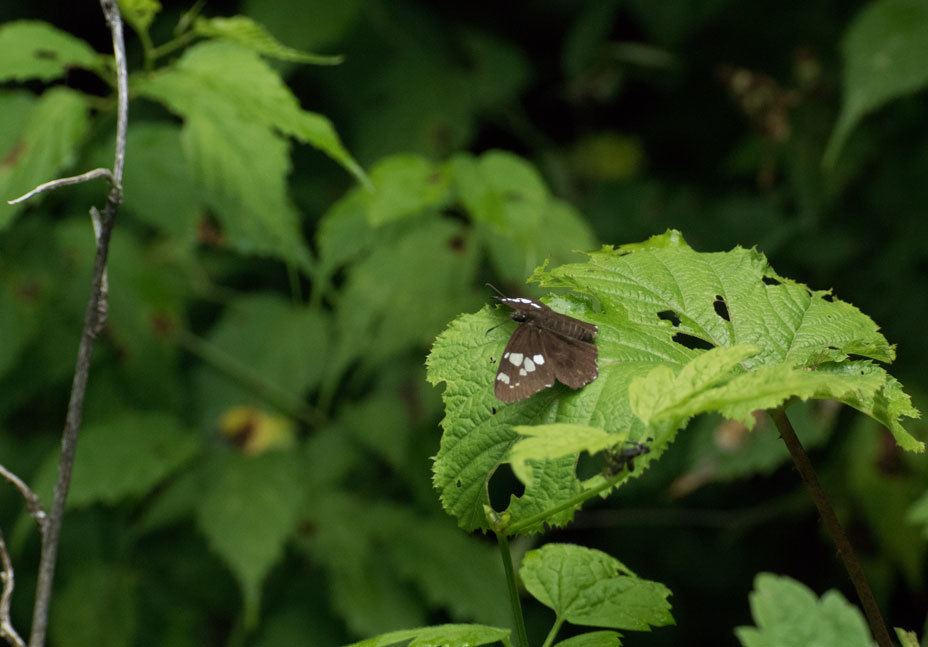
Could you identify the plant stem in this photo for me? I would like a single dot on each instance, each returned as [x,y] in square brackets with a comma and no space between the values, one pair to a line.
[514,602]
[833,526]
[271,393]
[554,631]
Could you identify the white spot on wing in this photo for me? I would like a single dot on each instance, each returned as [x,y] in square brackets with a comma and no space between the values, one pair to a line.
[502,377]
[539,359]
[522,372]
[516,358]
[506,355]
[529,365]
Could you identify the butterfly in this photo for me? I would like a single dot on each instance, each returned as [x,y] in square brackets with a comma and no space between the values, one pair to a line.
[546,346]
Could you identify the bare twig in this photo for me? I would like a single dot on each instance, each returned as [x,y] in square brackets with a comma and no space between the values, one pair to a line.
[6,576]
[833,526]
[65,181]
[94,317]
[32,500]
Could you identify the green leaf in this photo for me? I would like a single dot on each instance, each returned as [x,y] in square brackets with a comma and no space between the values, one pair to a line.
[588,587]
[139,13]
[383,560]
[400,294]
[247,512]
[199,84]
[444,635]
[516,217]
[46,145]
[884,49]
[593,639]
[246,32]
[555,441]
[158,161]
[788,613]
[405,185]
[772,338]
[288,363]
[906,638]
[122,458]
[918,514]
[31,49]
[453,571]
[651,299]
[97,605]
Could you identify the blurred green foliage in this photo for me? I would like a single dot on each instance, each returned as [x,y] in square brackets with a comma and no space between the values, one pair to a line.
[249,270]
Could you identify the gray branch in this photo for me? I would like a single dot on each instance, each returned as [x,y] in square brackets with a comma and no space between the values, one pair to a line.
[6,576]
[94,317]
[65,181]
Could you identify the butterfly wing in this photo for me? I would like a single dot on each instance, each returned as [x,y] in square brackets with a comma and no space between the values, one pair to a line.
[573,360]
[524,368]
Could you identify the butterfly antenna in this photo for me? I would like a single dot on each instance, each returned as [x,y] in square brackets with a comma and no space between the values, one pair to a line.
[493,287]
[493,328]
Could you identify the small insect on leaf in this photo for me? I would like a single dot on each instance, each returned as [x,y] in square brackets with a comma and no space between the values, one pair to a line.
[546,346]
[617,459]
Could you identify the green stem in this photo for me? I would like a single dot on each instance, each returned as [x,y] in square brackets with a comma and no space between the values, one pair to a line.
[514,602]
[168,47]
[600,483]
[554,631]
[833,526]
[267,391]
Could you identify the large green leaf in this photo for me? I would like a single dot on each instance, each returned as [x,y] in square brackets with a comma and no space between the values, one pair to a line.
[251,364]
[383,560]
[789,614]
[653,302]
[247,511]
[885,50]
[122,458]
[255,93]
[402,292]
[46,145]
[588,587]
[516,217]
[31,49]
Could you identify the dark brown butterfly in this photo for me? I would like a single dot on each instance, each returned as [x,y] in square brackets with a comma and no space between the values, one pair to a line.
[546,346]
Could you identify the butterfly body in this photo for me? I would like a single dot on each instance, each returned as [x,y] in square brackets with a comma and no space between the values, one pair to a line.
[546,346]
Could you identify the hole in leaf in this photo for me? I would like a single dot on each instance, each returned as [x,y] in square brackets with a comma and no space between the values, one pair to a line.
[493,411]
[458,483]
[671,316]
[503,485]
[691,342]
[829,298]
[832,347]
[721,308]
[769,280]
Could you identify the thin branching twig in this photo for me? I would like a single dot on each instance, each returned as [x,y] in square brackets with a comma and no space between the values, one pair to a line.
[32,499]
[834,528]
[65,181]
[94,317]
[6,596]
